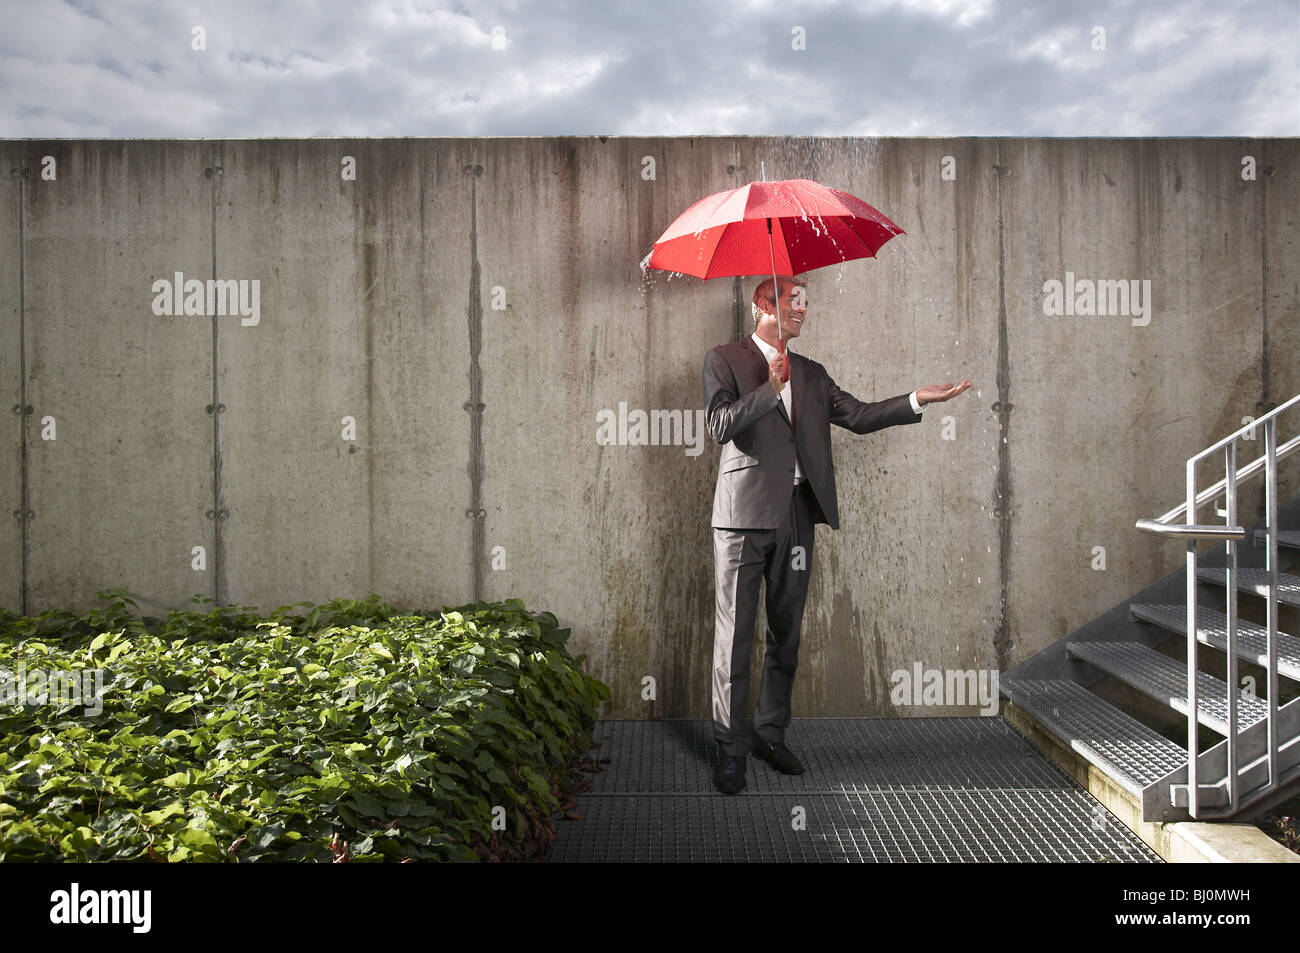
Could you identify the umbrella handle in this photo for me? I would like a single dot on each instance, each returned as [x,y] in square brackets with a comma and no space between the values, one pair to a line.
[776,293]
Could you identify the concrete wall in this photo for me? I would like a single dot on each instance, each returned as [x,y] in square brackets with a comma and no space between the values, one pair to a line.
[476,425]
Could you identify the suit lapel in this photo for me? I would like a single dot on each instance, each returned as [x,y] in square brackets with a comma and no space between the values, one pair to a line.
[796,385]
[760,364]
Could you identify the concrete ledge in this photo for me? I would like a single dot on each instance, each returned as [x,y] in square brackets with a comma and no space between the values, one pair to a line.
[1224,843]
[1178,842]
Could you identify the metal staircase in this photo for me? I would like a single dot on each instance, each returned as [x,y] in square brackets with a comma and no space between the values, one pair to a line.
[1257,760]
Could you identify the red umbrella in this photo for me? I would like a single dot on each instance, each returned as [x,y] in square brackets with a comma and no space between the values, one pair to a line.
[784,227]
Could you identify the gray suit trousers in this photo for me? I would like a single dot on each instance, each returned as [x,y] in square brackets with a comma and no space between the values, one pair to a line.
[742,559]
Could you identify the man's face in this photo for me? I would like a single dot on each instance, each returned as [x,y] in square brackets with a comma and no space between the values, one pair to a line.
[794,308]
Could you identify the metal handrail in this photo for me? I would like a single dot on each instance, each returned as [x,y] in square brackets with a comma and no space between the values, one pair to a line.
[1218,489]
[1232,534]
[1190,531]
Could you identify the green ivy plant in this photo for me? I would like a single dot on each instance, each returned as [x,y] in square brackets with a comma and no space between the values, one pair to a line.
[348,732]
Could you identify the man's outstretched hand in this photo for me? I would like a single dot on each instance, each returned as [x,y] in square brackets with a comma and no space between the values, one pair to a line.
[935,393]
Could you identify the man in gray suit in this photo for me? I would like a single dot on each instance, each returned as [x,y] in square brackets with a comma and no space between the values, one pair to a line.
[775,482]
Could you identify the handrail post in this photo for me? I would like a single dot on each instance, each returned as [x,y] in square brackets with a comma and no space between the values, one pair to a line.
[1230,610]
[1192,791]
[1270,527]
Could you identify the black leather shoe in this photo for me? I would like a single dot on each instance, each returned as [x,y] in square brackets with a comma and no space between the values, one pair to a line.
[778,756]
[731,775]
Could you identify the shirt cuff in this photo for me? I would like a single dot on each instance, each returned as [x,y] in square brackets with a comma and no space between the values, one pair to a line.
[916,407]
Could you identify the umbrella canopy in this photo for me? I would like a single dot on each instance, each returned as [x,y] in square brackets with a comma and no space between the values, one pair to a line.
[770,228]
[727,234]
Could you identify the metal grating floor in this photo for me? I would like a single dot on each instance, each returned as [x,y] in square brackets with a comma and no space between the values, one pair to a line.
[1165,680]
[1285,537]
[1252,638]
[1255,581]
[874,789]
[1130,752]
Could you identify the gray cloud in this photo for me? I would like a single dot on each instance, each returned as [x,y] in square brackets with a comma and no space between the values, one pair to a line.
[884,67]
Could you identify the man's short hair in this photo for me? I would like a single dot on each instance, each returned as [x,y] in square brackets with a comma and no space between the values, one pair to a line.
[765,290]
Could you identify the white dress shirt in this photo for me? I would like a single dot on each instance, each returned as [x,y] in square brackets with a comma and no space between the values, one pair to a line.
[770,352]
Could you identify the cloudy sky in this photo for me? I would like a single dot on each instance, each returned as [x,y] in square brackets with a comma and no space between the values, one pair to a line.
[239,68]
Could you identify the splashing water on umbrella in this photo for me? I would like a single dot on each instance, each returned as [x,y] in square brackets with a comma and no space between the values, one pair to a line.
[736,232]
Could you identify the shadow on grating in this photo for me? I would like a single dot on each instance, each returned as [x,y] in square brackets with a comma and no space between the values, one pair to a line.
[873,789]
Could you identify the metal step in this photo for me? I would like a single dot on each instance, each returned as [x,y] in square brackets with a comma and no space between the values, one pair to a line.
[1127,751]
[1255,581]
[1285,537]
[1212,629]
[1165,680]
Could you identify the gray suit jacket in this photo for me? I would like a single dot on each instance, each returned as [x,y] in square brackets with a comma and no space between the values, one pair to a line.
[747,417]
